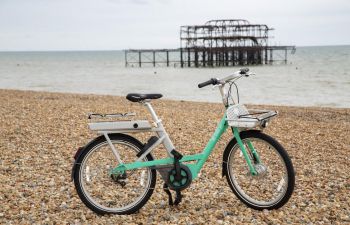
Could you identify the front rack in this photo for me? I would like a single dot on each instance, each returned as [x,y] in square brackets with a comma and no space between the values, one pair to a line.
[239,116]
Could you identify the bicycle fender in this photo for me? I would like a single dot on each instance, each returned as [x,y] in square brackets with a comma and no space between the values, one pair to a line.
[77,154]
[80,151]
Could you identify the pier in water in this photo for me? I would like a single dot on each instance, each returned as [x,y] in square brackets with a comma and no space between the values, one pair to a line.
[217,43]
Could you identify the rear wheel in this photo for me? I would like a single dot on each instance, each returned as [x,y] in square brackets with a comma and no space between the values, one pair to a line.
[274,184]
[105,193]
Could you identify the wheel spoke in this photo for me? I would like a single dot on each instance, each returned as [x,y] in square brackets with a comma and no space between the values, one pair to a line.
[281,184]
[114,193]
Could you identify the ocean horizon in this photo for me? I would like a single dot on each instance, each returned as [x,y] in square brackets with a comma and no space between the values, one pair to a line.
[112,50]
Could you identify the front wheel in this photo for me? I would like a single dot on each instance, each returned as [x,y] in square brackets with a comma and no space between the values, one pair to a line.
[272,187]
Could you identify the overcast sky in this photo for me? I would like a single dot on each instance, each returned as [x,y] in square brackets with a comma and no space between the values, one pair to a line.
[122,24]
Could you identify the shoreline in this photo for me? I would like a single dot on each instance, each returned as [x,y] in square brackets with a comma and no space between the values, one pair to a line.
[175,100]
[40,132]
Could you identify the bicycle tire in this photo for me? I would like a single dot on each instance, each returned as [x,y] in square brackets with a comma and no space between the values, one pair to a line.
[255,134]
[99,141]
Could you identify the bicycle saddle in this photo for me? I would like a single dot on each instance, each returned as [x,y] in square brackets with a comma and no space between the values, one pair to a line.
[134,97]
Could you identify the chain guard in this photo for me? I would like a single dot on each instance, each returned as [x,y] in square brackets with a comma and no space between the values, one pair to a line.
[167,172]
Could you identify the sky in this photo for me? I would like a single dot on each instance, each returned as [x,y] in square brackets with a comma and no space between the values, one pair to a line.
[41,25]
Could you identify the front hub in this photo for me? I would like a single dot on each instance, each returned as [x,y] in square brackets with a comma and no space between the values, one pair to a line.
[261,169]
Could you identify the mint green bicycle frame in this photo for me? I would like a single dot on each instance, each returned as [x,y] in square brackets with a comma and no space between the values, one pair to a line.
[200,158]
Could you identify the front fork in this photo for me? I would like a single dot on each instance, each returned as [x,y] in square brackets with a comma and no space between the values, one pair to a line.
[244,151]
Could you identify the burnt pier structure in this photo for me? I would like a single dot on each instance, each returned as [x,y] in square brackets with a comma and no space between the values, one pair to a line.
[217,43]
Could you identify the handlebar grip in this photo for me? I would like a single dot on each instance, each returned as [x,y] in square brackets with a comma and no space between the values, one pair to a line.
[243,71]
[212,81]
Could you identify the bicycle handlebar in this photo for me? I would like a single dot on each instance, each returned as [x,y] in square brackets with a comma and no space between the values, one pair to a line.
[214,81]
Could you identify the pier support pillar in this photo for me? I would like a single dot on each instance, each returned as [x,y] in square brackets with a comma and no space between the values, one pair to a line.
[271,56]
[154,59]
[126,58]
[188,58]
[140,61]
[181,58]
[167,58]
[285,56]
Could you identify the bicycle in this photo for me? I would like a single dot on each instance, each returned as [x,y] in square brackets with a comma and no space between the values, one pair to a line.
[116,174]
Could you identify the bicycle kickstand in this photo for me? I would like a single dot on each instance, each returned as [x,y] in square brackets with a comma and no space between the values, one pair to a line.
[178,197]
[166,189]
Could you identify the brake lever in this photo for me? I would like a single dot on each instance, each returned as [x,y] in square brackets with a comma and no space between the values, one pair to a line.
[215,86]
[249,74]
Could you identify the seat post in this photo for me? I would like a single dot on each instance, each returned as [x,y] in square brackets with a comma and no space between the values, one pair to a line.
[161,132]
[153,113]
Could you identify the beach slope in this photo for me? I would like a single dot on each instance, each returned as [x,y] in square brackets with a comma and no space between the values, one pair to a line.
[40,132]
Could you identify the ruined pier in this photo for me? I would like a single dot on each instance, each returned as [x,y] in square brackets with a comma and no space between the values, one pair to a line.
[217,43]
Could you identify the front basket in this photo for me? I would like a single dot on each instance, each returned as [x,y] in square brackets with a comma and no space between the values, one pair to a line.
[239,116]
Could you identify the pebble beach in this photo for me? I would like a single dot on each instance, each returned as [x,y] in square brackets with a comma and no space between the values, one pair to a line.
[41,131]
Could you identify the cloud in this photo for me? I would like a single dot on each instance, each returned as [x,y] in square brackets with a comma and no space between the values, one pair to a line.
[120,24]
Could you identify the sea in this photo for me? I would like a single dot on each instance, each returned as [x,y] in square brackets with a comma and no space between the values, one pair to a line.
[313,76]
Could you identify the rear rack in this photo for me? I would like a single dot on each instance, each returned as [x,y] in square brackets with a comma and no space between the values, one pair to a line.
[112,115]
[117,123]
[120,126]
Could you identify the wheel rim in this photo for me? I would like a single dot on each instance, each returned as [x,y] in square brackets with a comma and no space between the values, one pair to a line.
[101,190]
[262,190]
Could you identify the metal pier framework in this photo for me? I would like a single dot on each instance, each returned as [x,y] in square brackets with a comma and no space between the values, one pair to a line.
[217,43]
